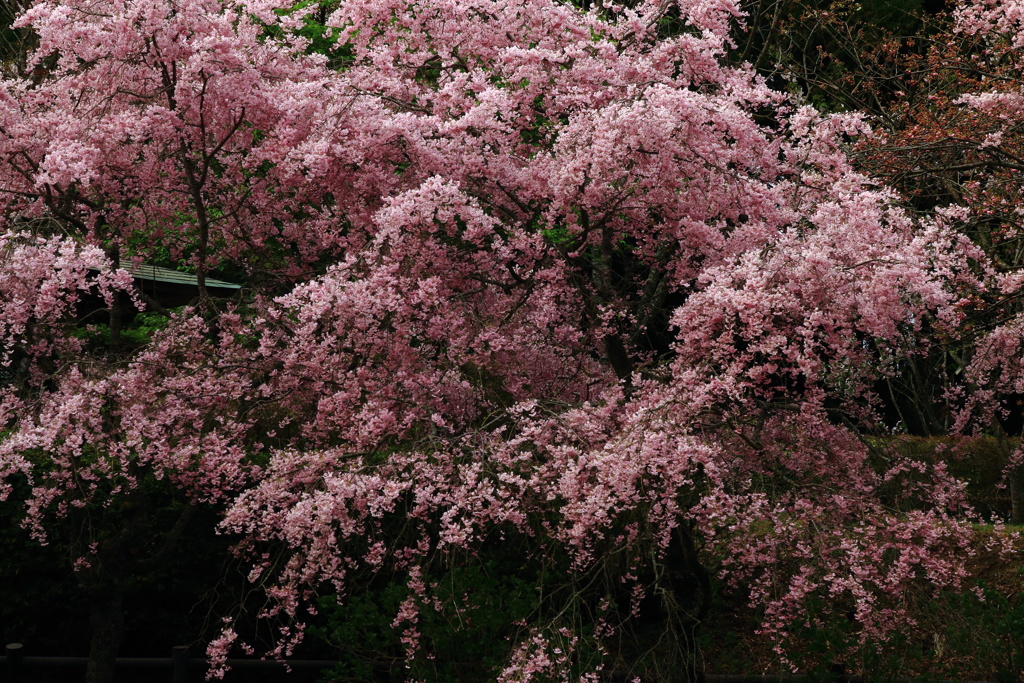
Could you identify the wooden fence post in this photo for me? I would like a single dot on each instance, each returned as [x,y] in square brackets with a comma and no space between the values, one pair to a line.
[14,653]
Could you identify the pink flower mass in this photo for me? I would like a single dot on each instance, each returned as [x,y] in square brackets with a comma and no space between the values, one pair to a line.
[511,271]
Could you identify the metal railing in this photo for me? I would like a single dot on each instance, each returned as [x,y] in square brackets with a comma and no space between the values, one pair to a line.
[181,666]
[184,668]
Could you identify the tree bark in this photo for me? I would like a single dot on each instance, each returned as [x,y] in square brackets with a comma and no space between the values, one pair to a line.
[1014,474]
[692,583]
[679,604]
[1016,482]
[106,617]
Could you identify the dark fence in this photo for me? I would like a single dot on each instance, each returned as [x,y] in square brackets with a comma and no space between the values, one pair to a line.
[181,667]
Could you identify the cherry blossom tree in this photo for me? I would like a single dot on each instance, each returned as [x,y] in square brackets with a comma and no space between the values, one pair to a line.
[175,108]
[514,273]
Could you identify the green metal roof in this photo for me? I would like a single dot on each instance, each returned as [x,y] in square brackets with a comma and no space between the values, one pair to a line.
[146,271]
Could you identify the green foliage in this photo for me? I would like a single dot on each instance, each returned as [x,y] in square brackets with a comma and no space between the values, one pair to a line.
[321,39]
[987,633]
[979,461]
[825,652]
[137,333]
[143,327]
[559,236]
[468,638]
[976,635]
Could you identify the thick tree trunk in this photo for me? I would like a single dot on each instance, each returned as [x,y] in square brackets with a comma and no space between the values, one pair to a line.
[692,583]
[103,583]
[116,305]
[106,617]
[673,614]
[1016,482]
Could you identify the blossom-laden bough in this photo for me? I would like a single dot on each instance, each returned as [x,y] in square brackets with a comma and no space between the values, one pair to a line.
[515,273]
